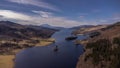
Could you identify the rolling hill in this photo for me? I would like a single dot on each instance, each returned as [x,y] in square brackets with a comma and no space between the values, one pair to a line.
[102,51]
[13,30]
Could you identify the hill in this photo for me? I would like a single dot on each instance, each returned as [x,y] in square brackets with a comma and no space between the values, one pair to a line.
[16,31]
[87,29]
[102,51]
[15,36]
[82,26]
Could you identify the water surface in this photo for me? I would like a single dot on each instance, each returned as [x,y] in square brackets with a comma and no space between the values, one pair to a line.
[45,57]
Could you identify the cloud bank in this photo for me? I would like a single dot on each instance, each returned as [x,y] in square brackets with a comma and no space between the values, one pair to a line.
[40,18]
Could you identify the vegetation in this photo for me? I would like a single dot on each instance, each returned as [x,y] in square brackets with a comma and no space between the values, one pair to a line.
[116,54]
[116,40]
[94,34]
[7,46]
[105,51]
[100,50]
[111,26]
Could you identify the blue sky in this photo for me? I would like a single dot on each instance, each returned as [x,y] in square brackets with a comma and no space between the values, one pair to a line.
[66,13]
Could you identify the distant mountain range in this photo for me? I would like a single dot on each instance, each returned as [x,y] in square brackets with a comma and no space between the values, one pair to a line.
[52,27]
[11,30]
[59,28]
[82,26]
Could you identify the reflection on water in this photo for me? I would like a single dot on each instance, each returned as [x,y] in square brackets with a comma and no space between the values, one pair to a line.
[45,57]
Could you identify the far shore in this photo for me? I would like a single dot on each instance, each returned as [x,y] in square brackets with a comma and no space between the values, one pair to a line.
[7,61]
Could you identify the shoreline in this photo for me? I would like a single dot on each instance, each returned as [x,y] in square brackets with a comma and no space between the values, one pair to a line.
[7,61]
[80,62]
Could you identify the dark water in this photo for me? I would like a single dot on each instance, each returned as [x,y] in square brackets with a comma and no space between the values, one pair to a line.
[45,57]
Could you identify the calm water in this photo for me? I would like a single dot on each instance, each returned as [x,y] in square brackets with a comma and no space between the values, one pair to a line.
[45,57]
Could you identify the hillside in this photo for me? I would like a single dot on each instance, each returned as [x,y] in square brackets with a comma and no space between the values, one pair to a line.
[12,30]
[102,51]
[88,29]
[16,36]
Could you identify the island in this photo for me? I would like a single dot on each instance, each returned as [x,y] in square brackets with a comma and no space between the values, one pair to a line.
[71,38]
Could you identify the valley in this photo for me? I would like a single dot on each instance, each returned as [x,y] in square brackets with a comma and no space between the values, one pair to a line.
[59,33]
[13,41]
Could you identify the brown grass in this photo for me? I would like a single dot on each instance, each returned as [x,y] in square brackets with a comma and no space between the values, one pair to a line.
[6,61]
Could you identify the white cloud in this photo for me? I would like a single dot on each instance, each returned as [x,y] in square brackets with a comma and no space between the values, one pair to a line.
[43,14]
[38,19]
[35,3]
[13,15]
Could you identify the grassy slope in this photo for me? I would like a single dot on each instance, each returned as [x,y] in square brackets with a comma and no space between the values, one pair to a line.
[109,33]
[87,30]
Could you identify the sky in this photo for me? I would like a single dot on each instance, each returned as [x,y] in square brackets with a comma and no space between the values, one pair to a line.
[63,13]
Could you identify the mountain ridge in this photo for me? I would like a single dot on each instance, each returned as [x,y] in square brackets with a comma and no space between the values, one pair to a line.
[52,27]
[15,30]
